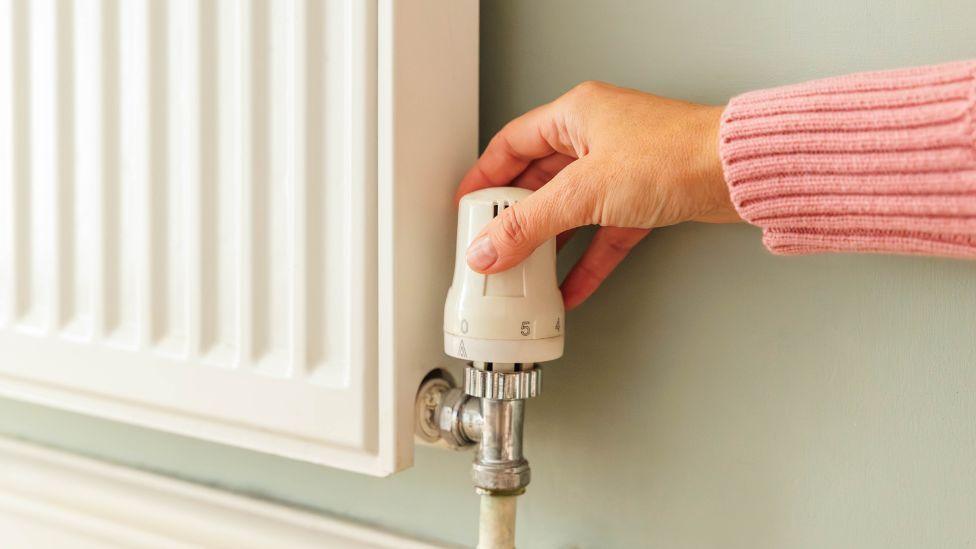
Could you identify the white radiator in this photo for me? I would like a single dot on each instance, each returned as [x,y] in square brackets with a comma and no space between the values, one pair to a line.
[231,219]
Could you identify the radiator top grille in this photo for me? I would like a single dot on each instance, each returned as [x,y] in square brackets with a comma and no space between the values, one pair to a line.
[178,178]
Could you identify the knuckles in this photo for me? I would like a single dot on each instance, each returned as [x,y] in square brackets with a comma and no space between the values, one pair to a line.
[512,227]
[585,92]
[588,88]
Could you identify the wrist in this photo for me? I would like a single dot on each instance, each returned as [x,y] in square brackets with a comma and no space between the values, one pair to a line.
[717,206]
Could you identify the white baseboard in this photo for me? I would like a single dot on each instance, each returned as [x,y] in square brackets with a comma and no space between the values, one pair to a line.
[50,498]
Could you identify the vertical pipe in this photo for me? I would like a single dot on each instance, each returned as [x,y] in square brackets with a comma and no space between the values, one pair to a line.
[496,526]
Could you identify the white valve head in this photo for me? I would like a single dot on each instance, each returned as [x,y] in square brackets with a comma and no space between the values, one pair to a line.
[515,316]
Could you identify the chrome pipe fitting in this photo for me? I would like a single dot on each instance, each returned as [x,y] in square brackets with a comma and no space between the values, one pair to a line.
[444,413]
[489,413]
[460,419]
[499,467]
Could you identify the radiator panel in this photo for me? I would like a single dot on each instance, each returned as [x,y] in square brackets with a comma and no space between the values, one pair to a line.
[161,192]
[189,194]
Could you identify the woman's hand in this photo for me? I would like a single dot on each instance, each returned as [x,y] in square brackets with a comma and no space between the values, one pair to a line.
[599,155]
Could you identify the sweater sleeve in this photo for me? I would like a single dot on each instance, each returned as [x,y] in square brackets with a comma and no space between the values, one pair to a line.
[871,162]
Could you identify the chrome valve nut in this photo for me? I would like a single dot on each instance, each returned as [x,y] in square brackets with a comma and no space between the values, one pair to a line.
[459,419]
[501,479]
[502,385]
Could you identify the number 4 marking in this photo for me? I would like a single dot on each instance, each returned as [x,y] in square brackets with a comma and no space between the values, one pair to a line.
[557,323]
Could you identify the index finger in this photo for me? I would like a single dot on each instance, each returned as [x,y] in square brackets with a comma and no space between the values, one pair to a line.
[511,151]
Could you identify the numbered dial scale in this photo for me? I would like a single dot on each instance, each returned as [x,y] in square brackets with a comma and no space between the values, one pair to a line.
[513,316]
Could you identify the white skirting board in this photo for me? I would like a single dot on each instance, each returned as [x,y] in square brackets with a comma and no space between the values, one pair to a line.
[50,498]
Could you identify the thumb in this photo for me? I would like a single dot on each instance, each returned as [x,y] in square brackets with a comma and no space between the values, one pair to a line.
[510,238]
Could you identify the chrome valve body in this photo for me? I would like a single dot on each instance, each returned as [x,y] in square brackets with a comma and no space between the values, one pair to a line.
[489,413]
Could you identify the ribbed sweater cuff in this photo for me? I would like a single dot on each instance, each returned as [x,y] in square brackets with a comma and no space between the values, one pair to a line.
[871,162]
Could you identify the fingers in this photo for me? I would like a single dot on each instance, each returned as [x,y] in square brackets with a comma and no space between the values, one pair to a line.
[608,247]
[512,149]
[562,204]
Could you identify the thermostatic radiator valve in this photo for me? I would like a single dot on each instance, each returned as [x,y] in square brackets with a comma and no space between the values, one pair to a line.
[515,316]
[503,325]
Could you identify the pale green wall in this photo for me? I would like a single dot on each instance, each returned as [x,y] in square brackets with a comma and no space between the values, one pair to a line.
[711,395]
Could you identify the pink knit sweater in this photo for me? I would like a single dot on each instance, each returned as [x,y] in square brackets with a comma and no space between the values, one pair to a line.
[872,162]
